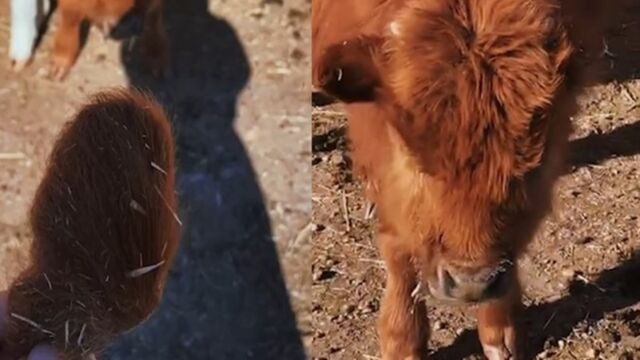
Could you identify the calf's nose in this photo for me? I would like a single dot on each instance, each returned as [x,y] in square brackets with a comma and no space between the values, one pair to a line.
[475,284]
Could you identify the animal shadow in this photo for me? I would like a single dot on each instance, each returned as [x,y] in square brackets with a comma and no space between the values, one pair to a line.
[611,54]
[226,298]
[595,148]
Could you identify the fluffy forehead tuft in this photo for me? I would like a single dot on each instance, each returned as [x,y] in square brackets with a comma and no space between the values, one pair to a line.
[477,78]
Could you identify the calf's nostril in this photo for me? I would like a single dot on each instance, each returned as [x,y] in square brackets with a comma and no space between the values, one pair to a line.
[473,284]
[447,281]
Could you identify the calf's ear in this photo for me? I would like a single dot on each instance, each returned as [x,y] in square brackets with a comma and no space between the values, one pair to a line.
[350,71]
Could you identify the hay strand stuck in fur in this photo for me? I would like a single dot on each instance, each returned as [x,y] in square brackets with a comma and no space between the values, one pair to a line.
[157,167]
[66,334]
[143,270]
[137,207]
[81,336]
[175,215]
[31,322]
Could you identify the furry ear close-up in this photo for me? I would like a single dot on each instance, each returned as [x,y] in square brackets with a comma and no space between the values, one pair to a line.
[105,230]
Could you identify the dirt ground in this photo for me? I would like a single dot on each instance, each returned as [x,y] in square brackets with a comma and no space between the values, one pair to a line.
[580,274]
[238,95]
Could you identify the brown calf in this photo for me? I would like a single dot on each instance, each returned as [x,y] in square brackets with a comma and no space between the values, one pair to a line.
[104,227]
[458,120]
[106,14]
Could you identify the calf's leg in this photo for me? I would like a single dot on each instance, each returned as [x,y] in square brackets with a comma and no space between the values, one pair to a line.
[497,325]
[402,325]
[67,43]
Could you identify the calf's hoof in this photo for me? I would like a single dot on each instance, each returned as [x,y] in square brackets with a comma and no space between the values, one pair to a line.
[403,352]
[106,27]
[498,353]
[59,68]
[410,357]
[19,65]
[502,350]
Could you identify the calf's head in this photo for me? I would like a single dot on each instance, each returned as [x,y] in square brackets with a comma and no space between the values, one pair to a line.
[476,89]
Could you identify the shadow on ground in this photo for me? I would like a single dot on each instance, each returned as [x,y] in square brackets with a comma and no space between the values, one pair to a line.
[226,298]
[610,33]
[596,148]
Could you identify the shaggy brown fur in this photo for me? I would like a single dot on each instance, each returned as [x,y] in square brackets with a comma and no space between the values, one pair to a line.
[458,120]
[104,212]
[106,14]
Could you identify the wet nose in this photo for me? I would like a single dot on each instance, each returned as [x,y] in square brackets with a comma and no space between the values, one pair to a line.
[477,284]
